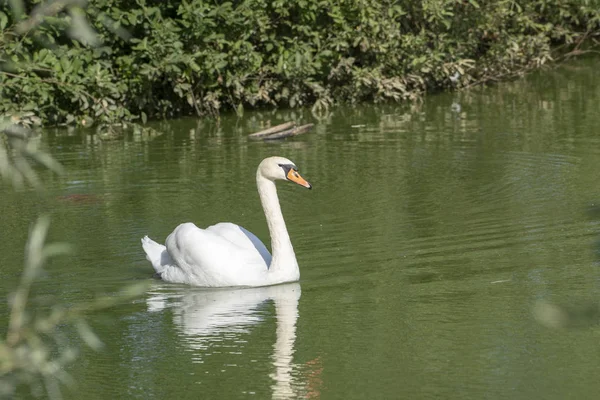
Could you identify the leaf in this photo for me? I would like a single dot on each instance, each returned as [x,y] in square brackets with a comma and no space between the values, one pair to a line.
[81,29]
[65,64]
[220,64]
[88,335]
[3,20]
[195,67]
[298,57]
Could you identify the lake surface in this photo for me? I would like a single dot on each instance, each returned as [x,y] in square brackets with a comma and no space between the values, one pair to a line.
[429,237]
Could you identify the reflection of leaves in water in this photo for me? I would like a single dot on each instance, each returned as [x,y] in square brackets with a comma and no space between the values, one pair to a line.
[314,379]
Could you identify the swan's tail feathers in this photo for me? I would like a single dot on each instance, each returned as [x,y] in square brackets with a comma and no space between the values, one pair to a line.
[157,254]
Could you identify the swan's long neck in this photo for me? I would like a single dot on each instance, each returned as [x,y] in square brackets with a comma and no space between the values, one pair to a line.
[283,262]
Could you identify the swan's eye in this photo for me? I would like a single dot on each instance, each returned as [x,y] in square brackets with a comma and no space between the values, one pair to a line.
[289,170]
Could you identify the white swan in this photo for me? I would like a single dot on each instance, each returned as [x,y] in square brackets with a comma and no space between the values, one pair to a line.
[226,254]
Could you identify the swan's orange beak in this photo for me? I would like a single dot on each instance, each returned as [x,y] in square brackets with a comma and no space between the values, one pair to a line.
[295,177]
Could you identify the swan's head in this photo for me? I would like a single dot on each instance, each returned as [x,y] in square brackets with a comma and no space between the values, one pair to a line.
[279,168]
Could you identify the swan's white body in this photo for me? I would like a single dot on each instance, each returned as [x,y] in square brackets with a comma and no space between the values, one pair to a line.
[226,254]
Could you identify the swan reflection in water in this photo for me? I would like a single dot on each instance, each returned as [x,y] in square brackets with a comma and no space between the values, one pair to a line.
[206,316]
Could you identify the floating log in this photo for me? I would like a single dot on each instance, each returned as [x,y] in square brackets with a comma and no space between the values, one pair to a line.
[290,132]
[274,129]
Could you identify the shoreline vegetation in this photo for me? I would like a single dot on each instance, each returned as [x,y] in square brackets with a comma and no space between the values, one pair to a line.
[71,62]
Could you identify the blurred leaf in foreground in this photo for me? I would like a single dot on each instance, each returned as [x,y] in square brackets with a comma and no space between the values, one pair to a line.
[34,352]
[19,153]
[584,315]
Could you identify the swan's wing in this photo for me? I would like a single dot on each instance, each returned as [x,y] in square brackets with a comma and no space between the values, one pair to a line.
[214,257]
[157,254]
[241,237]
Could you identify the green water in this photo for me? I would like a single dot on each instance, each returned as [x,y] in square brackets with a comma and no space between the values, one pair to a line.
[428,238]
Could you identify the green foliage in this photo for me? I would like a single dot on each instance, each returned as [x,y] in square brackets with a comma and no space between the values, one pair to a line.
[34,351]
[18,148]
[151,59]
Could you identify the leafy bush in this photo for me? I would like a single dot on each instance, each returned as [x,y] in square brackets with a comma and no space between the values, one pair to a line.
[150,58]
